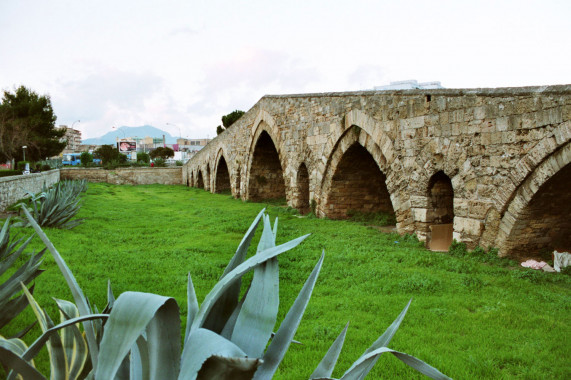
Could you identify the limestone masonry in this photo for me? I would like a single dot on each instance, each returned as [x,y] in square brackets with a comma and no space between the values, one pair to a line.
[492,163]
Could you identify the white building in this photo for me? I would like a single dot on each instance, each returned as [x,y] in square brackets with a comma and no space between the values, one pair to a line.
[411,84]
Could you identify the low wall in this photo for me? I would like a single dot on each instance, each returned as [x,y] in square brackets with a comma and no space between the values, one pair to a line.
[127,176]
[16,187]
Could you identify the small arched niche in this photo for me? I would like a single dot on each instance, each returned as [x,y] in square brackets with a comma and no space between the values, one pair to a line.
[440,213]
[302,190]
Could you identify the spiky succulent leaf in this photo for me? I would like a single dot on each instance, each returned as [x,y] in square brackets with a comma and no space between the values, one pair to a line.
[11,250]
[360,368]
[327,364]
[78,296]
[234,275]
[258,314]
[227,301]
[74,344]
[132,313]
[283,337]
[203,345]
[192,305]
[12,360]
[58,363]
[35,348]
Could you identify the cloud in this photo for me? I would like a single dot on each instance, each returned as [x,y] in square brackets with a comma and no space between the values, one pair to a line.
[183,31]
[108,97]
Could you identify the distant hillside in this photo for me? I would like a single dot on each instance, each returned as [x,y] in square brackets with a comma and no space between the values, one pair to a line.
[144,131]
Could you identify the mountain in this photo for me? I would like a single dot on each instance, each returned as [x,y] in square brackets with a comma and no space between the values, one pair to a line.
[121,132]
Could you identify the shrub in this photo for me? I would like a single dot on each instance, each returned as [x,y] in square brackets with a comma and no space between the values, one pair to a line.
[21,165]
[227,337]
[8,173]
[143,157]
[178,163]
[86,159]
[160,162]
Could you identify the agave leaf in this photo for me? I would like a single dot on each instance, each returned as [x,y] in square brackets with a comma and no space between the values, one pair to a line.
[192,306]
[220,367]
[385,339]
[229,328]
[13,307]
[74,344]
[163,337]
[258,314]
[327,364]
[78,296]
[58,364]
[131,314]
[24,274]
[15,345]
[19,366]
[203,344]
[359,369]
[283,337]
[259,311]
[140,359]
[228,300]
[275,230]
[33,350]
[230,279]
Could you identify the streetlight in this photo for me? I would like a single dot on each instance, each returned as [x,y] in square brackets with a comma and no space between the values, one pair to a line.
[24,150]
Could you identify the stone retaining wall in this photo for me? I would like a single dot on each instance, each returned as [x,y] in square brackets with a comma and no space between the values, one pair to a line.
[15,188]
[127,176]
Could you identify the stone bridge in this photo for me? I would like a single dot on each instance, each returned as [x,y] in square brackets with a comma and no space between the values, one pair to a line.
[491,166]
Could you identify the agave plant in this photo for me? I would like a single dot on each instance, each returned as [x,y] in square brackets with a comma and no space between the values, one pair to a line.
[56,206]
[10,250]
[226,337]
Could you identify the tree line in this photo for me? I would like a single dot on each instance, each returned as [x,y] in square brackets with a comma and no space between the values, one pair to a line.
[27,119]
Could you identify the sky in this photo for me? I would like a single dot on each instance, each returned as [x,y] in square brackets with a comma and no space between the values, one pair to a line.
[180,65]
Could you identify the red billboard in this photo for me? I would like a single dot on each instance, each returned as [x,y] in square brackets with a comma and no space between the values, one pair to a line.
[127,146]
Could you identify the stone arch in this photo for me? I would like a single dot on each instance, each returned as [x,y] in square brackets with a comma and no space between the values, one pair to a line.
[199,180]
[537,217]
[301,199]
[207,178]
[355,177]
[238,183]
[265,127]
[221,179]
[265,179]
[440,211]
[372,127]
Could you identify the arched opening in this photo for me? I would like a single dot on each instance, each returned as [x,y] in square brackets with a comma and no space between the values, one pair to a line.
[440,213]
[222,177]
[544,224]
[199,180]
[190,181]
[238,183]
[358,187]
[266,176]
[207,178]
[302,193]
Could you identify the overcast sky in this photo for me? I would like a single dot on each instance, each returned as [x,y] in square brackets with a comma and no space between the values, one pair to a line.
[180,65]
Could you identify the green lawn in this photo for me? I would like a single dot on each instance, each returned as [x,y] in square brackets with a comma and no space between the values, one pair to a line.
[469,319]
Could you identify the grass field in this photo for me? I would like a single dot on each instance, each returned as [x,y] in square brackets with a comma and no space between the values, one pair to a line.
[469,319]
